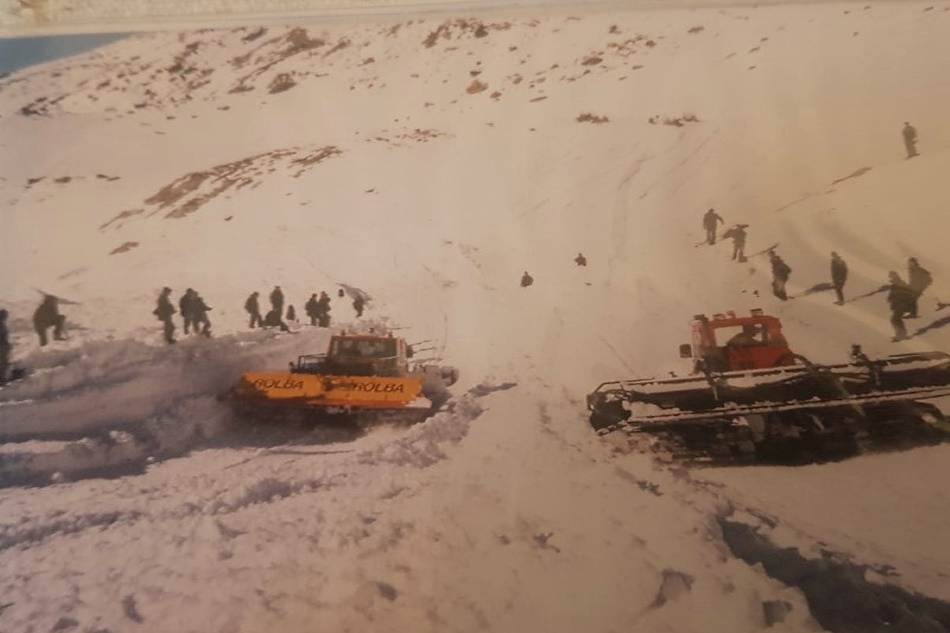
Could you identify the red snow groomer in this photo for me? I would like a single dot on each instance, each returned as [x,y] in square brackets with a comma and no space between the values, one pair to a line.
[751,398]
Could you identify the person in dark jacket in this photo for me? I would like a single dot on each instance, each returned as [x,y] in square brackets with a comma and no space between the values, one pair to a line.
[580,260]
[323,310]
[918,280]
[272,319]
[526,280]
[358,304]
[47,316]
[710,218]
[341,293]
[164,310]
[312,308]
[5,347]
[277,300]
[291,313]
[839,275]
[199,318]
[899,298]
[253,308]
[738,235]
[910,139]
[780,274]
[187,310]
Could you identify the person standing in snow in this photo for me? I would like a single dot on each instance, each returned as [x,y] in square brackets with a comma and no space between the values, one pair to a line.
[187,310]
[277,300]
[5,347]
[839,275]
[199,316]
[47,316]
[910,139]
[164,311]
[323,310]
[312,308]
[253,308]
[780,274]
[899,298]
[918,280]
[709,223]
[291,313]
[358,304]
[580,260]
[738,236]
[526,280]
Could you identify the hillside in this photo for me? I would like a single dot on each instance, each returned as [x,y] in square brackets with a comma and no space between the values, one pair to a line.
[429,161]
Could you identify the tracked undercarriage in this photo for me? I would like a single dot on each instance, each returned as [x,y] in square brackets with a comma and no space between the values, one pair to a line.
[795,412]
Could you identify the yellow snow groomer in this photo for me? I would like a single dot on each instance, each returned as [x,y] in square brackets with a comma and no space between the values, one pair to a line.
[367,377]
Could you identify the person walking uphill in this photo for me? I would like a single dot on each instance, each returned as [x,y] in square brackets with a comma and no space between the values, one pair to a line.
[780,274]
[709,223]
[899,298]
[918,280]
[839,275]
[164,310]
[47,316]
[253,308]
[910,139]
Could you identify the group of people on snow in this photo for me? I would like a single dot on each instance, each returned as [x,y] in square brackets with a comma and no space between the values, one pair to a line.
[527,279]
[318,309]
[902,296]
[274,316]
[193,310]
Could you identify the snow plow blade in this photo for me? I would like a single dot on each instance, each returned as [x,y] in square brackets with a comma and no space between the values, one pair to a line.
[308,390]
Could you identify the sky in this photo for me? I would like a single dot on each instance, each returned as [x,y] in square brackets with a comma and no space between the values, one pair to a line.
[20,52]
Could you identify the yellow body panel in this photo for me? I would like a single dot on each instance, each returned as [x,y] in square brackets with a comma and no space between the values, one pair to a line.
[329,391]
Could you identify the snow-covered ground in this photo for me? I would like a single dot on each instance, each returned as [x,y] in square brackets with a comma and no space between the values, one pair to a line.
[430,161]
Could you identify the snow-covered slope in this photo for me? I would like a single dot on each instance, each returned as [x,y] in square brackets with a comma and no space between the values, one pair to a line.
[430,162]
